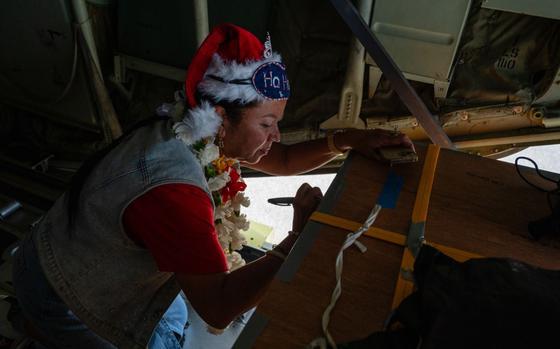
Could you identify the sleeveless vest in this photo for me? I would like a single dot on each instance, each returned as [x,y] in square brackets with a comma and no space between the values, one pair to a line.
[109,282]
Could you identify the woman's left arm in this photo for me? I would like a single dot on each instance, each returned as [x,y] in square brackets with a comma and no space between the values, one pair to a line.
[283,160]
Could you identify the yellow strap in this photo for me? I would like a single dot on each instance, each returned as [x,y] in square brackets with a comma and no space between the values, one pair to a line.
[455,253]
[420,211]
[387,236]
[419,214]
[349,225]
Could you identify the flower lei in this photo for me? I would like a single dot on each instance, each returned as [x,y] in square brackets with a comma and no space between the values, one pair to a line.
[197,130]
[227,186]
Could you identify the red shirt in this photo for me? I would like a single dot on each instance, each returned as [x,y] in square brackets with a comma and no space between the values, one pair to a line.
[175,222]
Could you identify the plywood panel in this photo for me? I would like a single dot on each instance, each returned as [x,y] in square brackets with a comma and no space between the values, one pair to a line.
[479,205]
[483,206]
[295,316]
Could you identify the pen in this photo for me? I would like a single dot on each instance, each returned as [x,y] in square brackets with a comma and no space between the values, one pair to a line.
[284,201]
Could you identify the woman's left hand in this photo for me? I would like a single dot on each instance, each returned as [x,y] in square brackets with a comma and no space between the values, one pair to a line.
[367,142]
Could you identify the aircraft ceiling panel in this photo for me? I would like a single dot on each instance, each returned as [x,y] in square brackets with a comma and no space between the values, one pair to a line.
[166,34]
[36,63]
[539,8]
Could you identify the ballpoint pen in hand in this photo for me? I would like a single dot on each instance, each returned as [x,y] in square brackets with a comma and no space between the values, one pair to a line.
[284,201]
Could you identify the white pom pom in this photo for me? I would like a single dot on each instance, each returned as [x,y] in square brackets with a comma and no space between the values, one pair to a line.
[200,122]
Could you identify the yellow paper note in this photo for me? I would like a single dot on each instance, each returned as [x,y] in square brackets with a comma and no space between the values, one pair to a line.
[257,234]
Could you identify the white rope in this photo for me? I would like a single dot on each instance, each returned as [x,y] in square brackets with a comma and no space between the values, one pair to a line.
[350,239]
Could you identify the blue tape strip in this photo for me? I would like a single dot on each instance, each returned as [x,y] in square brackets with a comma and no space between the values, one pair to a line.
[391,190]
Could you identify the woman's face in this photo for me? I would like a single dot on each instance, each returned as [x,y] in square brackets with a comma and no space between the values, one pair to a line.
[251,138]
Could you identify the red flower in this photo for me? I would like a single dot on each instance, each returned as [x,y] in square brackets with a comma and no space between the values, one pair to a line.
[233,186]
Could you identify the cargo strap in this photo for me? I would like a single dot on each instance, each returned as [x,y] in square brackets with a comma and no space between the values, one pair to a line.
[415,238]
[385,235]
[346,224]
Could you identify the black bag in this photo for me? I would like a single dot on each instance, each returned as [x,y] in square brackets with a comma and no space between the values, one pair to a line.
[481,303]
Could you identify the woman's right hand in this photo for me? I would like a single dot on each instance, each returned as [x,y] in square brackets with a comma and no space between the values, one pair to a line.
[306,201]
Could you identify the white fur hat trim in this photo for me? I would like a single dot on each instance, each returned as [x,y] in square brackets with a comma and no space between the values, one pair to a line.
[231,70]
[199,123]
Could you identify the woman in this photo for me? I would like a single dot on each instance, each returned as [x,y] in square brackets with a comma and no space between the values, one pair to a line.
[105,263]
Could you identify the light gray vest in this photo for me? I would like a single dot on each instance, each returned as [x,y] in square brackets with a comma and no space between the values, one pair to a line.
[108,281]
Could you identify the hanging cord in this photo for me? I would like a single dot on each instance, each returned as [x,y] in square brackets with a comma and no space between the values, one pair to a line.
[73,71]
[538,171]
[351,239]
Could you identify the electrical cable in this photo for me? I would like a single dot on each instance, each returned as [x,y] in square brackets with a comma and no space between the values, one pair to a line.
[74,65]
[539,173]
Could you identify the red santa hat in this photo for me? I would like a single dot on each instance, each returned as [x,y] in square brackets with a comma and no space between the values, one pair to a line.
[230,65]
[227,65]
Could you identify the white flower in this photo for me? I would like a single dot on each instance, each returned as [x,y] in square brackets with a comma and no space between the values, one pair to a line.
[237,240]
[218,182]
[235,261]
[241,222]
[225,227]
[222,211]
[225,241]
[224,230]
[240,200]
[210,153]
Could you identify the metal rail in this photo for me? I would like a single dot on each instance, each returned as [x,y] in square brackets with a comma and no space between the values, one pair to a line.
[407,94]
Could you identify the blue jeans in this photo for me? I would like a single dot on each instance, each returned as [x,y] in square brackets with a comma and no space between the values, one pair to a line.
[63,330]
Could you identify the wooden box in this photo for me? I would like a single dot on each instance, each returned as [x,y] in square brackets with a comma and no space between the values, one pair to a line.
[477,205]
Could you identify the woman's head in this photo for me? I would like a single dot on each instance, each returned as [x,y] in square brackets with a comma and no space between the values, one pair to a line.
[239,87]
[248,133]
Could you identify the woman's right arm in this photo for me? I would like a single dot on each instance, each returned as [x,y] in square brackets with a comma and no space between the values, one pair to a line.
[220,298]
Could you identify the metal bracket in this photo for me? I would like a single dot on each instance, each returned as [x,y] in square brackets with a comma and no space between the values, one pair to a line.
[440,88]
